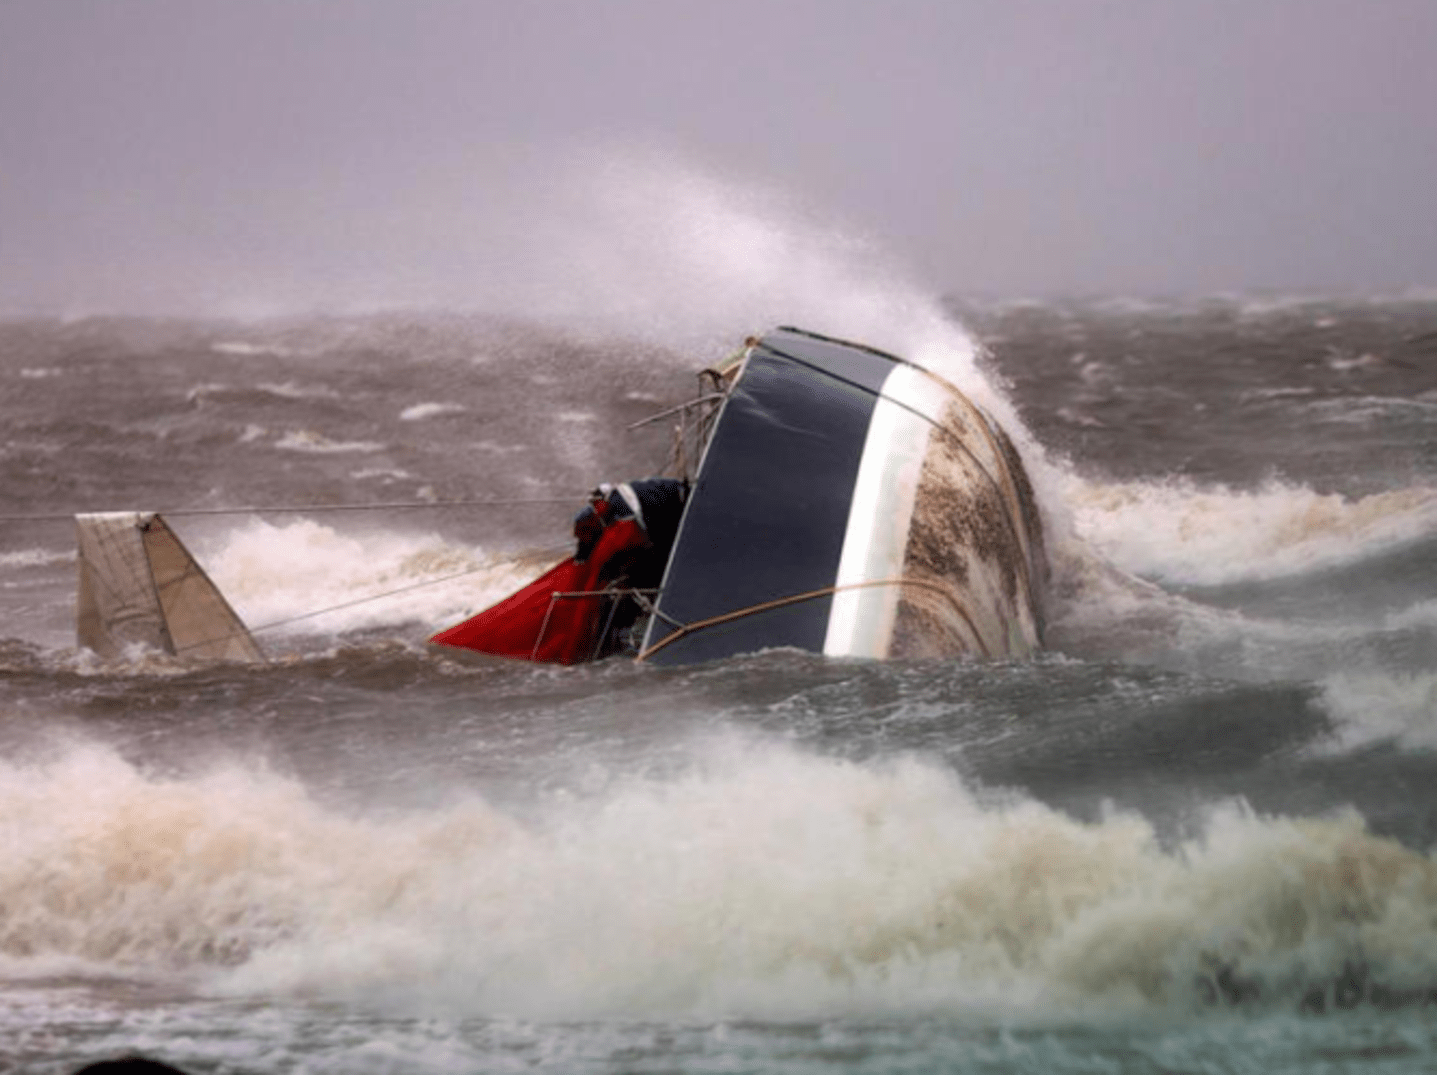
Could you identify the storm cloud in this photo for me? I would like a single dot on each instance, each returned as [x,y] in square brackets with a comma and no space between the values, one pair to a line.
[167,154]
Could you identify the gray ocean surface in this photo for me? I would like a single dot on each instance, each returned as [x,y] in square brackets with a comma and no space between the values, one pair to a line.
[1194,835]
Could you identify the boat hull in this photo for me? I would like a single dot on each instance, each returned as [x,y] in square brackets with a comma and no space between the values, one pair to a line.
[852,504]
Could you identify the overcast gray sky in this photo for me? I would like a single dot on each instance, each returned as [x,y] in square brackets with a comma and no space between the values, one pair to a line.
[186,153]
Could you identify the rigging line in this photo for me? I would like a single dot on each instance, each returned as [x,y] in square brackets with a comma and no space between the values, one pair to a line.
[793,599]
[652,609]
[682,407]
[281,509]
[543,627]
[331,608]
[555,596]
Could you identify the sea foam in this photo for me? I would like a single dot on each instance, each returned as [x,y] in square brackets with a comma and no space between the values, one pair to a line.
[1178,532]
[760,881]
[1372,705]
[317,579]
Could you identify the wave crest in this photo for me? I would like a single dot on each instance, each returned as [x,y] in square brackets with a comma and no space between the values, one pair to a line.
[761,881]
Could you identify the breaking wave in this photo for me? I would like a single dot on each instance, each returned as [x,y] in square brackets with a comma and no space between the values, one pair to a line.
[1372,705]
[1177,532]
[314,578]
[761,881]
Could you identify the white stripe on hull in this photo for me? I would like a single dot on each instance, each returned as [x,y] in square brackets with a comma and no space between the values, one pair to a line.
[861,619]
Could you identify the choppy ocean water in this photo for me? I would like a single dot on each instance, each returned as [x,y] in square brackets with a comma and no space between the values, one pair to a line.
[1195,835]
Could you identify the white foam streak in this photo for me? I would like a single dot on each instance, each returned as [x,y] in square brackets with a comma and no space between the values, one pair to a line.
[307,440]
[35,557]
[420,411]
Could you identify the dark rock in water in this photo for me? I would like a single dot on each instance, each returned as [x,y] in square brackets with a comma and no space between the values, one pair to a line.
[129,1065]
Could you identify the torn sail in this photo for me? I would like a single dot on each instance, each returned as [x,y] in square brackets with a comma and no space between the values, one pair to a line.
[139,584]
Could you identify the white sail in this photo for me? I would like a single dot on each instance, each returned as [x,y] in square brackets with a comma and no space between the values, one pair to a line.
[140,585]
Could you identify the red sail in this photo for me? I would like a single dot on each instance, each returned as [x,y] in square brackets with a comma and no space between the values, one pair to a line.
[535,625]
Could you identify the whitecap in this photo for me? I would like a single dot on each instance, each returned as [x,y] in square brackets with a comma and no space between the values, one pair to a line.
[244,349]
[292,390]
[35,557]
[758,879]
[496,448]
[383,473]
[429,410]
[306,440]
[1177,531]
[1373,706]
[303,568]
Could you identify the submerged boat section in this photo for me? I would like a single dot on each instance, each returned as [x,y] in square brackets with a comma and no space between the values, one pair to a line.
[139,586]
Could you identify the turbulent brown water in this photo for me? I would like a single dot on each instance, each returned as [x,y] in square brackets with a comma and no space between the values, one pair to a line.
[1194,835]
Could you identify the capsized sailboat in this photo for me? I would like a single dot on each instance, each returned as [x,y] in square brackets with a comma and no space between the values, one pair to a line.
[845,502]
